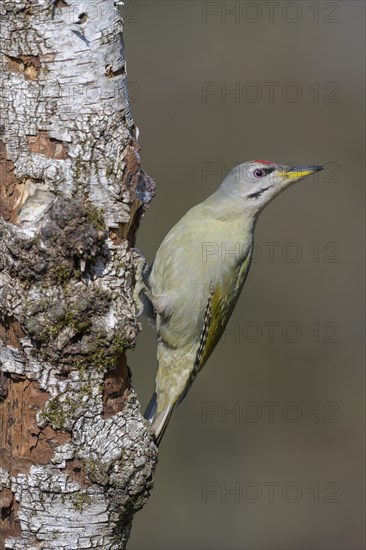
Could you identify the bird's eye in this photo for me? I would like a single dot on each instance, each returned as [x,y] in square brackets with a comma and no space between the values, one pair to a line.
[259,173]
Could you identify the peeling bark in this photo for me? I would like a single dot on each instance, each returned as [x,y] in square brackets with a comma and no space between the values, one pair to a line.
[77,458]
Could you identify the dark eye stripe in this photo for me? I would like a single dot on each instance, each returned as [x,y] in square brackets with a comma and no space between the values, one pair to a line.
[258,193]
[268,170]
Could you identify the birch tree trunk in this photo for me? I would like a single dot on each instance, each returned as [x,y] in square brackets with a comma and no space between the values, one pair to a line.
[77,458]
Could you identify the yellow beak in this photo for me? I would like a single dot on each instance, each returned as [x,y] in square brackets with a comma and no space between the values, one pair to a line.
[299,172]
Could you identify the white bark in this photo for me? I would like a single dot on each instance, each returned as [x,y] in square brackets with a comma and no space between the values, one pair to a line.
[77,458]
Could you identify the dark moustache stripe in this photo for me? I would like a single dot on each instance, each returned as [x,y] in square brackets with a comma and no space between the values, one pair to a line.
[258,193]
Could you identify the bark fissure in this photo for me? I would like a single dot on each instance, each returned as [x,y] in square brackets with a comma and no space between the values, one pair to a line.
[77,458]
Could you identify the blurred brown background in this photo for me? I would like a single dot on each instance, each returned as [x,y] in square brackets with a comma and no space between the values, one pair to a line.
[294,467]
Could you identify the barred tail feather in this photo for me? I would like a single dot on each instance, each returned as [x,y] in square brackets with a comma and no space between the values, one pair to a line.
[160,420]
[151,408]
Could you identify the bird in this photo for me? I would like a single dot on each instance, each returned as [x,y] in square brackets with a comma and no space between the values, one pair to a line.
[198,273]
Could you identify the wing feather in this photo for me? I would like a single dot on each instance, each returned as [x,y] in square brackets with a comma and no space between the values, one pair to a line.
[220,304]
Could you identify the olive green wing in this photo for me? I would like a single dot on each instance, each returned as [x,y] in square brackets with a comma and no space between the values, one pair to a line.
[220,305]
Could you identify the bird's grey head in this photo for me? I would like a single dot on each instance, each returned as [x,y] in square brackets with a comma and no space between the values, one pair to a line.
[254,184]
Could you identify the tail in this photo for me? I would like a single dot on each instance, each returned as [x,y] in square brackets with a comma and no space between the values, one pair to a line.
[160,420]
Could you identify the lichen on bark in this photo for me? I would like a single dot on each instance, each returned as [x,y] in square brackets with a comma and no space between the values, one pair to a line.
[77,458]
